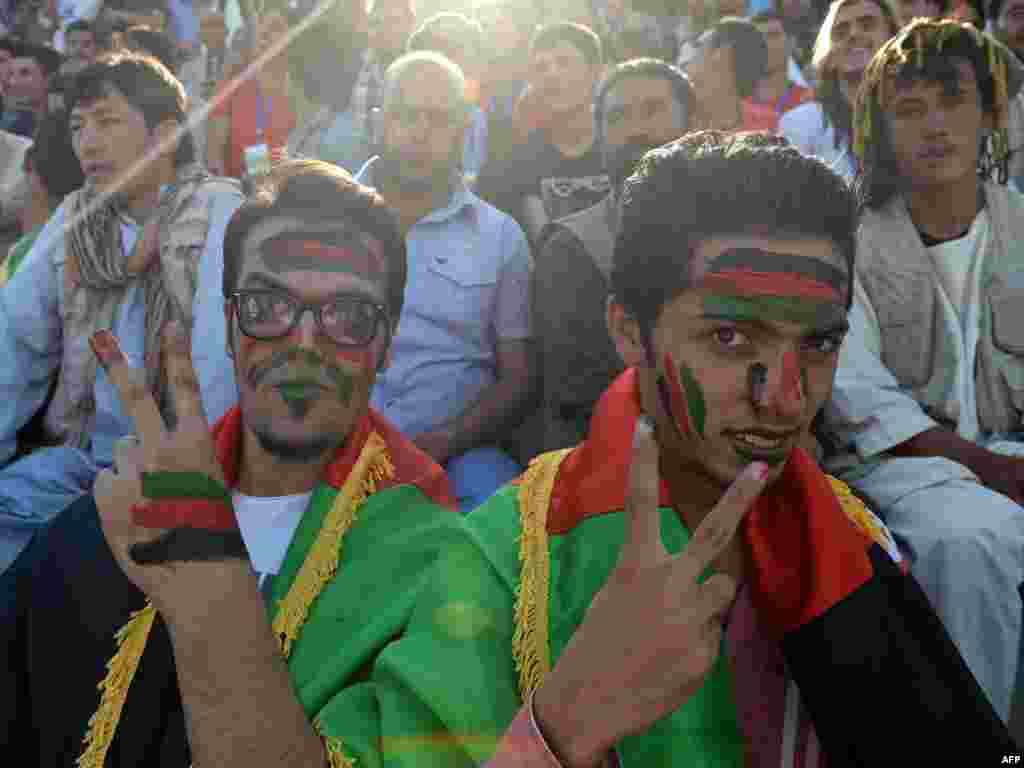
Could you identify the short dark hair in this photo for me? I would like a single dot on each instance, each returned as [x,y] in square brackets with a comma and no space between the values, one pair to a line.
[749,51]
[711,184]
[79,25]
[11,44]
[52,156]
[652,68]
[584,39]
[146,84]
[49,59]
[315,191]
[444,29]
[153,43]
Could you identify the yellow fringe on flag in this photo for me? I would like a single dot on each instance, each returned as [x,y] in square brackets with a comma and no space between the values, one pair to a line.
[531,647]
[336,757]
[321,563]
[866,520]
[131,641]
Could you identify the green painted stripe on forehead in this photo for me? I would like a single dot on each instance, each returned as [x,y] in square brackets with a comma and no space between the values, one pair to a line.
[759,260]
[817,314]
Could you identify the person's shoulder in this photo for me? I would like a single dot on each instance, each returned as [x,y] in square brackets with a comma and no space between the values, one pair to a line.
[492,219]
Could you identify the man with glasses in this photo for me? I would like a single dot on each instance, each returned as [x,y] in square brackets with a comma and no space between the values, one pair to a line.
[460,369]
[302,496]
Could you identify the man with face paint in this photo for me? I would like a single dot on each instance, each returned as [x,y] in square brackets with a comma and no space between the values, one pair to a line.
[257,570]
[927,412]
[639,105]
[686,587]
[461,368]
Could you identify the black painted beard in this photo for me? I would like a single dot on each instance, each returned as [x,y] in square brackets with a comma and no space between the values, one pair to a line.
[621,162]
[297,451]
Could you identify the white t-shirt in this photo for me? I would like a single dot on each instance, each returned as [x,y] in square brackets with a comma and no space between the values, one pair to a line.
[954,259]
[267,524]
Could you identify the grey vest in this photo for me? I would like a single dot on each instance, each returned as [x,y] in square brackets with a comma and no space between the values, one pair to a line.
[902,283]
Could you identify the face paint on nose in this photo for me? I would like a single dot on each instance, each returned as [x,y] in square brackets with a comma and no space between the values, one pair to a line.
[793,382]
[757,377]
[685,399]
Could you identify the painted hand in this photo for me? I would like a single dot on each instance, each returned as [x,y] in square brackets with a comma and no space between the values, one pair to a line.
[128,515]
[652,633]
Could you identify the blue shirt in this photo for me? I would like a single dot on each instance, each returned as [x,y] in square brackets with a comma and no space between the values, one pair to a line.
[467,289]
[31,329]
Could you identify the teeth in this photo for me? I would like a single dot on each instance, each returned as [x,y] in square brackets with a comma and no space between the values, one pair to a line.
[757,441]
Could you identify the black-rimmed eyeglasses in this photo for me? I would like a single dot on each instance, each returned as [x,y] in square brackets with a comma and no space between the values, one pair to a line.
[347,319]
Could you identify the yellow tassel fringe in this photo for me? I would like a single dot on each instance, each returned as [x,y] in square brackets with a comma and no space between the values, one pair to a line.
[336,757]
[131,641]
[531,647]
[321,563]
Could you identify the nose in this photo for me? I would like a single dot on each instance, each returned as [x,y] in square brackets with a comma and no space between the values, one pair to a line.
[785,395]
[305,330]
[87,140]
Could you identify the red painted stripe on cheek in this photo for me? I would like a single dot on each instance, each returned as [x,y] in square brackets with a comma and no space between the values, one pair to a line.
[676,398]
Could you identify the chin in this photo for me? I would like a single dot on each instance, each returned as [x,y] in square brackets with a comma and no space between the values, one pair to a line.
[298,449]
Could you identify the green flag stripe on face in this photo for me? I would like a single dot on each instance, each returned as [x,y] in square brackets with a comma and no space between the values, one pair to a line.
[779,308]
[694,398]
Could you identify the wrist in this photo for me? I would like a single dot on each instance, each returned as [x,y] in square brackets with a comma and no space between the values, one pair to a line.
[576,739]
[204,595]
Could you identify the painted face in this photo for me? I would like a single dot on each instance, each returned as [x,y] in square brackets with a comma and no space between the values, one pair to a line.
[935,129]
[301,393]
[746,358]
[423,128]
[110,138]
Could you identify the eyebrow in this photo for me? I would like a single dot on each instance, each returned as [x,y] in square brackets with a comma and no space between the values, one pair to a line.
[266,281]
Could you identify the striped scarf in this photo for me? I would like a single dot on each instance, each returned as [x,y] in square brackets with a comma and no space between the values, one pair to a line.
[97,275]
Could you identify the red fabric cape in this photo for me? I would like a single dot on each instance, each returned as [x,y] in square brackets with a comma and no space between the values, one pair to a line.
[804,554]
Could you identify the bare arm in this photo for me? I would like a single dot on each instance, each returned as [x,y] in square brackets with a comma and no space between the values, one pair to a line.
[500,405]
[227,660]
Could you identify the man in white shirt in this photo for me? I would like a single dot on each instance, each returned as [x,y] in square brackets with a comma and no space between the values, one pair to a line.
[929,397]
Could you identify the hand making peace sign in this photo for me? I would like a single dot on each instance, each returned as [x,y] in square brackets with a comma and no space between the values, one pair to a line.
[186,448]
[652,633]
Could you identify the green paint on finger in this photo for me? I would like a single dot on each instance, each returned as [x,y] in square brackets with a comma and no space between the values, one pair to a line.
[694,398]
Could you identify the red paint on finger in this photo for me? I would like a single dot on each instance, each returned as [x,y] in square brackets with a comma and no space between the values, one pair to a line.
[676,398]
[105,347]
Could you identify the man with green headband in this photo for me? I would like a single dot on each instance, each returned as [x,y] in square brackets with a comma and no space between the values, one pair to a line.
[223,589]
[929,396]
[686,587]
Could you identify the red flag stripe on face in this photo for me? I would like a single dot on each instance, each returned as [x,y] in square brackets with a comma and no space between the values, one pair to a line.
[195,513]
[368,260]
[677,400]
[744,282]
[792,388]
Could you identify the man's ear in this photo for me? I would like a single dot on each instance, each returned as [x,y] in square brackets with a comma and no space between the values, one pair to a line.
[626,335]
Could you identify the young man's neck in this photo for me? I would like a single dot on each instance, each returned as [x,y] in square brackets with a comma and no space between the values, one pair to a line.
[946,211]
[144,201]
[411,203]
[263,474]
[848,87]
[572,133]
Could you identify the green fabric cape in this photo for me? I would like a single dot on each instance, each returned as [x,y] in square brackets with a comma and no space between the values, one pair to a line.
[448,688]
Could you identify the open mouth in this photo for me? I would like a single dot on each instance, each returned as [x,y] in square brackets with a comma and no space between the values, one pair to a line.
[754,446]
